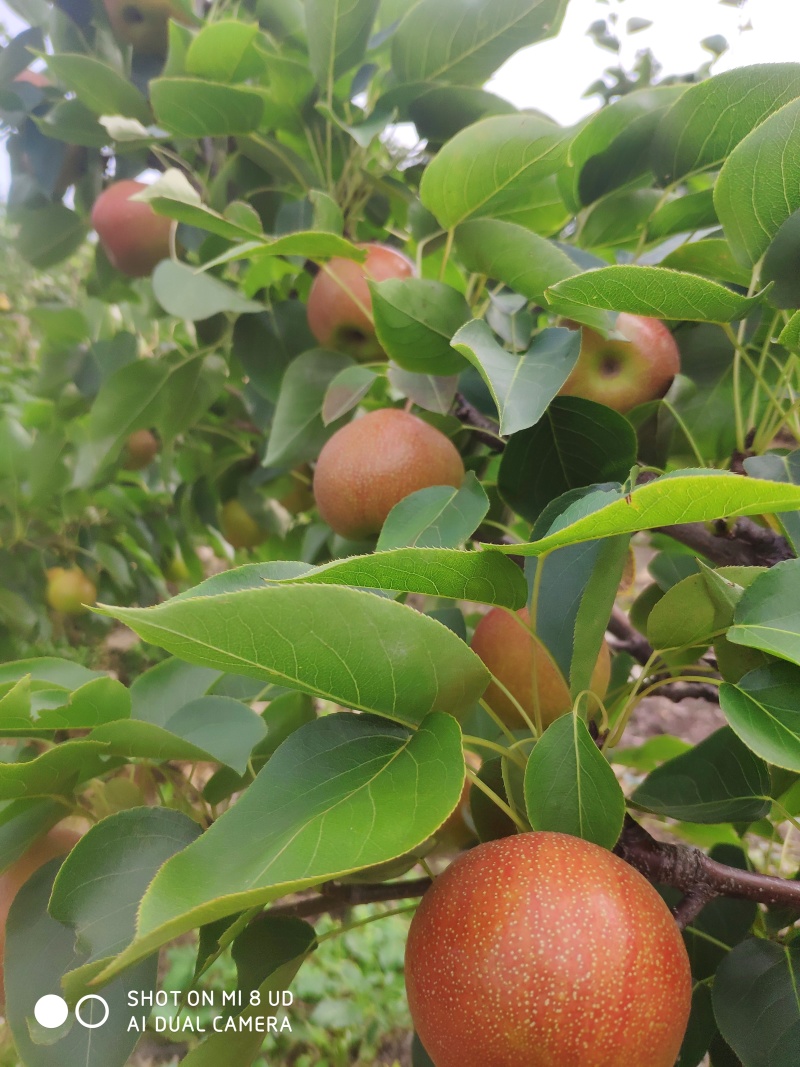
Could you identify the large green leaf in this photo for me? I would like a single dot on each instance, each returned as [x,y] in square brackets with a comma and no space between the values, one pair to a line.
[194,107]
[758,188]
[415,320]
[780,468]
[690,496]
[711,118]
[490,169]
[486,577]
[768,615]
[720,780]
[98,701]
[764,710]
[522,384]
[756,1002]
[575,444]
[339,644]
[184,292]
[338,32]
[99,87]
[55,772]
[38,951]
[570,787]
[223,52]
[448,40]
[343,793]
[655,291]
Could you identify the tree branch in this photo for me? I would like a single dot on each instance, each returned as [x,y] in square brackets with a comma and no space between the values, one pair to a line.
[700,878]
[745,544]
[335,896]
[467,413]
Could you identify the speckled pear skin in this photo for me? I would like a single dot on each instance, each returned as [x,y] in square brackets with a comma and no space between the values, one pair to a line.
[373,463]
[543,950]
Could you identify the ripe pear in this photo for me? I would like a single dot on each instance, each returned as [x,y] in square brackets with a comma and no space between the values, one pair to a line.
[340,304]
[135,239]
[515,656]
[142,23]
[373,463]
[543,950]
[624,372]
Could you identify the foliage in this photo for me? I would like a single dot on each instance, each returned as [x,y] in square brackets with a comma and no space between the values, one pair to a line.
[221,766]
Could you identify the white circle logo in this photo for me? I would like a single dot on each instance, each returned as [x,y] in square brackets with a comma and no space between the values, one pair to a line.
[51,1011]
[92,1025]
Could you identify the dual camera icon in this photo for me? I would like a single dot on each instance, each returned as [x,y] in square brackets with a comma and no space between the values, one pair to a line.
[52,1011]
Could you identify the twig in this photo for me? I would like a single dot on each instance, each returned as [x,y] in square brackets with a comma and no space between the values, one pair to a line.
[699,878]
[335,896]
[467,413]
[628,638]
[745,544]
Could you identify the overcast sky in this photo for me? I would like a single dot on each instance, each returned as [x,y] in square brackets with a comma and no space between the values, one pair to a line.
[553,75]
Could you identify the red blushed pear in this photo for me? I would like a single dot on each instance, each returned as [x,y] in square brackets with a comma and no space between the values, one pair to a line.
[543,950]
[340,304]
[133,236]
[373,463]
[57,842]
[524,666]
[626,370]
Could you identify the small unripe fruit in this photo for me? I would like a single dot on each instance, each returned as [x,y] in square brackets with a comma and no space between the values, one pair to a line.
[141,449]
[543,950]
[239,528]
[134,238]
[627,372]
[57,842]
[340,303]
[373,463]
[515,657]
[69,591]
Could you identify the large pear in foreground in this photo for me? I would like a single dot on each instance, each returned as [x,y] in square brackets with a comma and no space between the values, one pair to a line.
[372,463]
[627,370]
[524,666]
[542,950]
[135,239]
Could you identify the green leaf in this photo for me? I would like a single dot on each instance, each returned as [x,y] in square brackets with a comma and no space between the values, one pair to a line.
[683,214]
[415,320]
[38,951]
[490,169]
[55,772]
[21,823]
[279,946]
[689,614]
[613,147]
[101,883]
[428,391]
[575,444]
[688,496]
[790,334]
[354,648]
[223,52]
[48,234]
[484,577]
[61,672]
[655,291]
[437,517]
[570,787]
[193,107]
[713,259]
[446,40]
[702,128]
[781,264]
[758,188]
[755,994]
[522,384]
[101,89]
[298,431]
[720,780]
[764,711]
[780,468]
[325,805]
[346,391]
[187,294]
[768,615]
[159,692]
[338,32]
[211,729]
[98,701]
[527,263]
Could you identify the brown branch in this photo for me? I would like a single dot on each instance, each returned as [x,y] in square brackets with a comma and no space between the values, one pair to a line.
[697,876]
[745,544]
[467,413]
[335,896]
[628,638]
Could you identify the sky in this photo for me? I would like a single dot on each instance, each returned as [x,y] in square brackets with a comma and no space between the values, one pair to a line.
[553,75]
